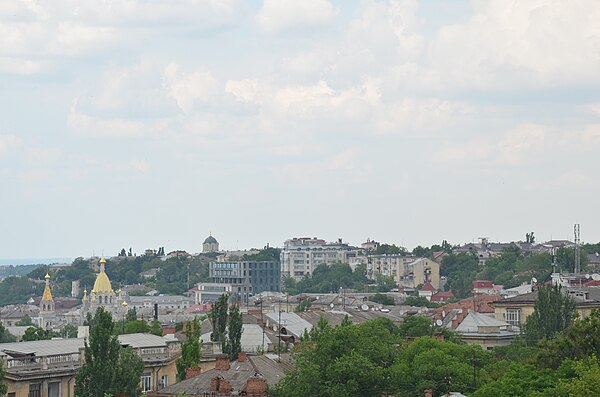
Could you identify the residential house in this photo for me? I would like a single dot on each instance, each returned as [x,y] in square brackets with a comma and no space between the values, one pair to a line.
[486,331]
[47,368]
[442,296]
[427,291]
[515,310]
[247,376]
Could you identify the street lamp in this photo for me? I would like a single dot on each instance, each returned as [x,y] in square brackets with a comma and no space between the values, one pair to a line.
[124,304]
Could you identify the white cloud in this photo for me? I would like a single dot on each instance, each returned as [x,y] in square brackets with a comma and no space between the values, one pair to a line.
[85,124]
[188,88]
[522,143]
[534,43]
[139,165]
[278,16]
[9,142]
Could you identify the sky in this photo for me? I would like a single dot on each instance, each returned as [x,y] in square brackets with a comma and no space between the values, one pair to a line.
[154,123]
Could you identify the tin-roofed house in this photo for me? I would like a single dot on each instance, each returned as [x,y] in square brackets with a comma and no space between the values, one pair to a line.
[47,368]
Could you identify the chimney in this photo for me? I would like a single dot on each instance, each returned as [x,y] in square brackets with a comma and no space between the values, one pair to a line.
[191,372]
[428,393]
[222,363]
[241,357]
[214,384]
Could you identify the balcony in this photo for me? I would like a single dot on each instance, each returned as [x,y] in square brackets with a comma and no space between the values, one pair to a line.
[32,363]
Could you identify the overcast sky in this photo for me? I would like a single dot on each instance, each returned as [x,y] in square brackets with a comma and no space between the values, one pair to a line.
[153,123]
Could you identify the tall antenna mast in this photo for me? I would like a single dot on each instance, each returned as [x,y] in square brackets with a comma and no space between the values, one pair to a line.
[577,250]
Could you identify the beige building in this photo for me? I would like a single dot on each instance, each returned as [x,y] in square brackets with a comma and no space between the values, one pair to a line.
[418,272]
[515,310]
[300,256]
[47,368]
[384,265]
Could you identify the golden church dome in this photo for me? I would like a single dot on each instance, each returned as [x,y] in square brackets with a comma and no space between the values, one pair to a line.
[47,296]
[102,284]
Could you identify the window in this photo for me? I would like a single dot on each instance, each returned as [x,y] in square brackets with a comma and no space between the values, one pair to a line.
[54,389]
[35,390]
[13,394]
[165,381]
[513,316]
[146,382]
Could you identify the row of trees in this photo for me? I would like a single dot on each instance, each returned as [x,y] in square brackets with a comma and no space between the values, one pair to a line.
[557,356]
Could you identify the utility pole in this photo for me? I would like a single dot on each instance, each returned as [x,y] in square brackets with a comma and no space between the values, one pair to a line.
[577,250]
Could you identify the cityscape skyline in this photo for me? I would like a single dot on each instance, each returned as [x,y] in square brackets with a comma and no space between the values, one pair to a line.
[403,121]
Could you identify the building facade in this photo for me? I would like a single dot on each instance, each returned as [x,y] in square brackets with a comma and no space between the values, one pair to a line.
[246,278]
[300,256]
[418,272]
[210,244]
[381,264]
[47,368]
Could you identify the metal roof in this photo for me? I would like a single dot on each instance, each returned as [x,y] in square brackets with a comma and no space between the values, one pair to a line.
[43,347]
[293,323]
[142,340]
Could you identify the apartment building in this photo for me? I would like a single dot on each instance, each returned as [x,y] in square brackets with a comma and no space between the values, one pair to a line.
[382,264]
[47,368]
[300,256]
[245,278]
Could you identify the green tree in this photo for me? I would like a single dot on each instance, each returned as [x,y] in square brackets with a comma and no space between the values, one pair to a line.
[97,375]
[131,315]
[36,333]
[69,331]
[419,301]
[553,312]
[25,321]
[415,326]
[136,327]
[191,348]
[3,385]
[586,381]
[234,333]
[156,328]
[383,299]
[303,306]
[578,341]
[5,336]
[129,369]
[218,315]
[108,368]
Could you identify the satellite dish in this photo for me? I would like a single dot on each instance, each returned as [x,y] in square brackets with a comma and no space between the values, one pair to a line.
[439,323]
[331,305]
[587,276]
[364,307]
[595,276]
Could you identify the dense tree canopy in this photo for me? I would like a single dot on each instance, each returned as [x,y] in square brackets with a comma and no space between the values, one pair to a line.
[553,312]
[99,374]
[191,348]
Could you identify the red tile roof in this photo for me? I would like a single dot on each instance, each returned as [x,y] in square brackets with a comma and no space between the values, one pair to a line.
[442,296]
[428,287]
[482,284]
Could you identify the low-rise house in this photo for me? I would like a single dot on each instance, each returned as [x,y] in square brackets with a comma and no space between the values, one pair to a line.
[247,376]
[427,291]
[442,296]
[515,310]
[484,287]
[486,331]
[47,367]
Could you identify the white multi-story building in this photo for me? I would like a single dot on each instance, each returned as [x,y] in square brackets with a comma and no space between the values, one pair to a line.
[300,256]
[381,264]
